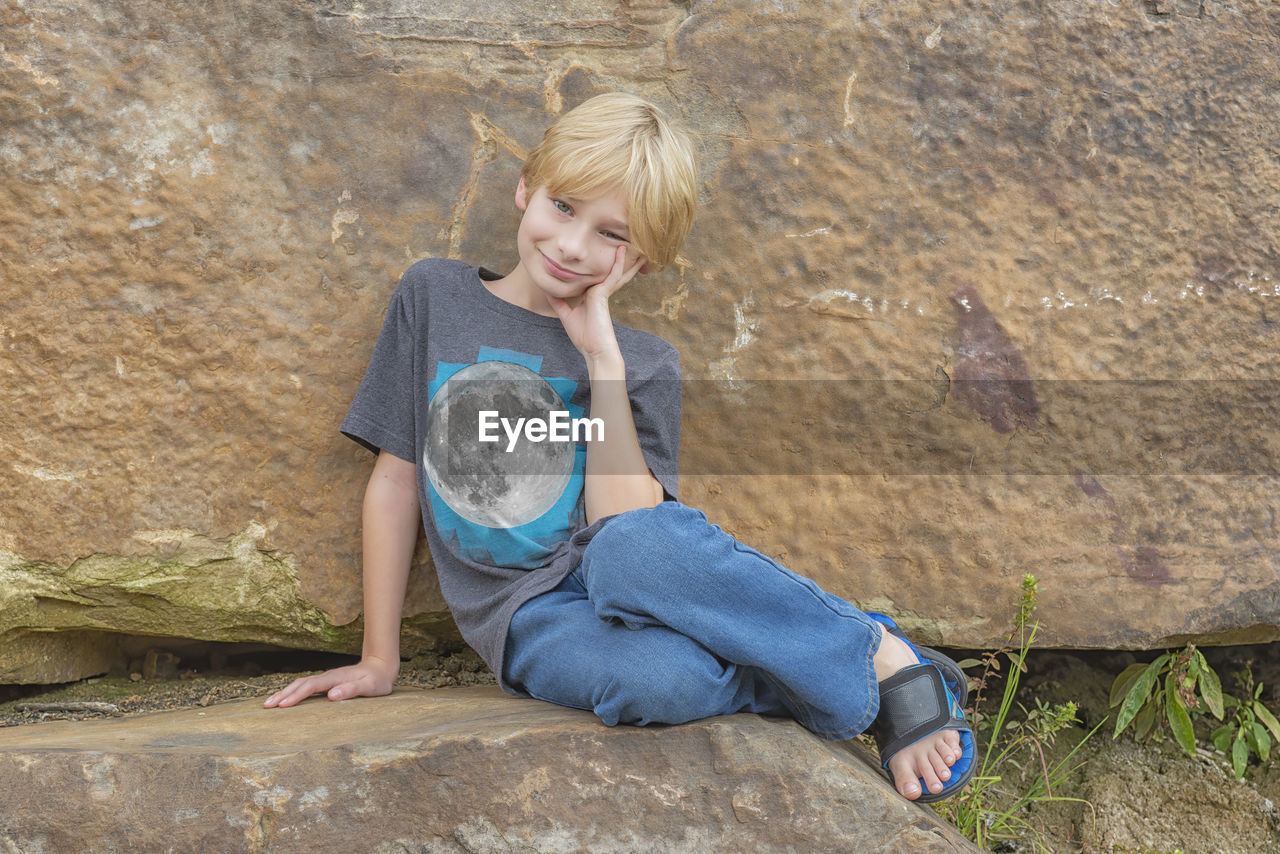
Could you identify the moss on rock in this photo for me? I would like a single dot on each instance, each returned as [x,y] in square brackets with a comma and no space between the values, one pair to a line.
[56,622]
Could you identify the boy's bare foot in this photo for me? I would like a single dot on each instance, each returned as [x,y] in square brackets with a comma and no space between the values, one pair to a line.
[929,759]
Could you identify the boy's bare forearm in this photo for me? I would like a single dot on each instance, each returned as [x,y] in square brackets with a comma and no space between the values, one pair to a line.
[617,476]
[391,519]
[391,523]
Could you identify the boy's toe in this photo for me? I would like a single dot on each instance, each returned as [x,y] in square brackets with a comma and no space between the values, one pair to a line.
[905,777]
[931,781]
[925,772]
[941,767]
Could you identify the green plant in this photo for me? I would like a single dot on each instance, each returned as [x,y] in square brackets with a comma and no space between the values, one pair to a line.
[1250,729]
[1143,700]
[992,807]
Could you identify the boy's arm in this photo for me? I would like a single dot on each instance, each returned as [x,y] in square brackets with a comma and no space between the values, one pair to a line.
[391,519]
[617,477]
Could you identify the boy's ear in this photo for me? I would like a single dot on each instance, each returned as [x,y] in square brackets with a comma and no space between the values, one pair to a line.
[522,195]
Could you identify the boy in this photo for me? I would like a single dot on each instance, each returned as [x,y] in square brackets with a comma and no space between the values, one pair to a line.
[567,563]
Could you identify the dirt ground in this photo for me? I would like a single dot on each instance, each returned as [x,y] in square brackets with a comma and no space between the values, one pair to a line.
[1125,797]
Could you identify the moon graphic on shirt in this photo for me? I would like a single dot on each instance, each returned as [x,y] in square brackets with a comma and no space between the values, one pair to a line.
[483,482]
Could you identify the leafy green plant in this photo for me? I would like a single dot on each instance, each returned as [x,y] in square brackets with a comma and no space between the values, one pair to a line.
[1170,690]
[1250,730]
[994,804]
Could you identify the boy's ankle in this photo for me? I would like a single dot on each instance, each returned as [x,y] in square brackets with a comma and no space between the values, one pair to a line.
[892,655]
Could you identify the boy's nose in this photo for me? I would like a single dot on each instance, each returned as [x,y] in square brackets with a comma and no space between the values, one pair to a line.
[573,244]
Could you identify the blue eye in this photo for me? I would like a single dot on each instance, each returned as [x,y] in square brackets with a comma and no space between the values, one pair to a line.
[562,206]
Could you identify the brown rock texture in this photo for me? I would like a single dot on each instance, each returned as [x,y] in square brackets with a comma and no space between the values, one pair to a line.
[454,770]
[975,291]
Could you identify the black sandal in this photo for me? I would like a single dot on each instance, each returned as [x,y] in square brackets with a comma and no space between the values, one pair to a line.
[921,700]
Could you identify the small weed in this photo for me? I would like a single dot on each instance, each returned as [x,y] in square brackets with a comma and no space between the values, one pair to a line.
[1189,682]
[1250,729]
[989,810]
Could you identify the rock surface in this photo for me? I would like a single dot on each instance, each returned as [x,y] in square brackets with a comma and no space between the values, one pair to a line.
[454,770]
[974,292]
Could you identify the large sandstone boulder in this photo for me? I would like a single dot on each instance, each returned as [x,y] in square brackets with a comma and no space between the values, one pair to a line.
[455,770]
[975,291]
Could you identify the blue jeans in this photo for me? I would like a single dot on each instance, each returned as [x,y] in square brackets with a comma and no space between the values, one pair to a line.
[669,619]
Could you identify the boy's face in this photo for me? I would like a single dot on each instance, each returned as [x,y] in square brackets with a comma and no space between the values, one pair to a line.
[567,244]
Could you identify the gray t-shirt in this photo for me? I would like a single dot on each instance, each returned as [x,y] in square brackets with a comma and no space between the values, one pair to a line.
[453,371]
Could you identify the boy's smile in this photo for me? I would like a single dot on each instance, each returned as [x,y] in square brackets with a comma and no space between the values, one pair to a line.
[559,272]
[566,245]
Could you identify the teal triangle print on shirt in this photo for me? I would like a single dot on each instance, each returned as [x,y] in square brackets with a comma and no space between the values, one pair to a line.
[511,501]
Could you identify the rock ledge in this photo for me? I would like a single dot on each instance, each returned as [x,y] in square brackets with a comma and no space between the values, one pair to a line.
[453,770]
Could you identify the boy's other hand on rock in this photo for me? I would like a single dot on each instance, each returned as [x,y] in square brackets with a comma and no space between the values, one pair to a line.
[371,677]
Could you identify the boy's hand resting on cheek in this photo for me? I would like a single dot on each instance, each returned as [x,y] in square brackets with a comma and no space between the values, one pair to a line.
[589,323]
[371,677]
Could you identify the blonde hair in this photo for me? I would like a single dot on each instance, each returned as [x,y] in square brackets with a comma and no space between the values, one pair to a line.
[619,140]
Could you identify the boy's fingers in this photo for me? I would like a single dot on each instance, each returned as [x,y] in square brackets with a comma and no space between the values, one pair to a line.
[364,685]
[340,684]
[617,270]
[629,271]
[619,261]
[620,273]
[287,697]
[298,690]
[346,690]
[634,268]
[276,698]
